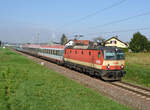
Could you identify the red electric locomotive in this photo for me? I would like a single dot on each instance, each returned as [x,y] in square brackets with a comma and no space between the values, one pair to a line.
[105,62]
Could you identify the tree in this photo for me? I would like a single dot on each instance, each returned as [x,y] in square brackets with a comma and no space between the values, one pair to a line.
[63,39]
[148,47]
[138,43]
[99,39]
[0,43]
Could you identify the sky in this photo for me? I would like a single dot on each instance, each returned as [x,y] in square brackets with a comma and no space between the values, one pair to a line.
[23,21]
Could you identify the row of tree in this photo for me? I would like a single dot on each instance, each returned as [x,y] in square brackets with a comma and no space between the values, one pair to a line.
[0,43]
[63,40]
[138,43]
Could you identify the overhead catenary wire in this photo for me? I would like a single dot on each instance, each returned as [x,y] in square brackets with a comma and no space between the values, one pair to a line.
[121,20]
[94,13]
[119,31]
[118,21]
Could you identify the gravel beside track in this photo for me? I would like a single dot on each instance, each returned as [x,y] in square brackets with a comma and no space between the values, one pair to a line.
[145,92]
[121,95]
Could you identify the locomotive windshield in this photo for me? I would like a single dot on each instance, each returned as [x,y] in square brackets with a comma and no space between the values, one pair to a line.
[114,55]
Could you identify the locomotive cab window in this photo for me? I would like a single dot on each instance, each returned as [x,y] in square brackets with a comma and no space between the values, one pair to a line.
[99,54]
[114,55]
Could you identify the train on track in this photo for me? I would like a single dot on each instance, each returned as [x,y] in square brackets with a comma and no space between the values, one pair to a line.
[107,63]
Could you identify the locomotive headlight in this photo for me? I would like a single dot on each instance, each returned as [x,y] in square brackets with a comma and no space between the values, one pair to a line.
[122,66]
[108,66]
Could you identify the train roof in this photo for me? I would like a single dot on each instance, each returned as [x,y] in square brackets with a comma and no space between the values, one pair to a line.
[100,47]
[44,46]
[107,48]
[53,46]
[31,46]
[89,45]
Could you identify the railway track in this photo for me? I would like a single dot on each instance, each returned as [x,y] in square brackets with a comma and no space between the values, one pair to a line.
[132,95]
[141,91]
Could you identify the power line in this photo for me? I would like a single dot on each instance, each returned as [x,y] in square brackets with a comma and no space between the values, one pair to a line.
[116,21]
[121,20]
[96,12]
[117,31]
[104,9]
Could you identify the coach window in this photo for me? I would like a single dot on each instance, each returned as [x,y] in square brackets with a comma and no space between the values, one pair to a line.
[53,52]
[99,54]
[89,53]
[70,51]
[57,52]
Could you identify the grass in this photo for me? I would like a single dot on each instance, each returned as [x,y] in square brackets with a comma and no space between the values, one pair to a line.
[26,85]
[138,68]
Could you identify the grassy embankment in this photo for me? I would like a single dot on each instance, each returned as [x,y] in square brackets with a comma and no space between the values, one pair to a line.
[138,68]
[25,85]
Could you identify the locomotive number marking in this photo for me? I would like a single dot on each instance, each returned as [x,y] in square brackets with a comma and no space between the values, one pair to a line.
[98,61]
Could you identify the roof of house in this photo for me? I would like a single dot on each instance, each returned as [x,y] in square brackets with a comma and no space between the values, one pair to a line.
[116,39]
[82,42]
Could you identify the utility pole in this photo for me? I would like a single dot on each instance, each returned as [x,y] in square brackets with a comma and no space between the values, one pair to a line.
[38,37]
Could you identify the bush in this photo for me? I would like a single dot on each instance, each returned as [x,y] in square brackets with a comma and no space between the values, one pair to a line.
[125,49]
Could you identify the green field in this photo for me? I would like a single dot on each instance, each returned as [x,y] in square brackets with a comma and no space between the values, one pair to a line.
[26,85]
[138,68]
